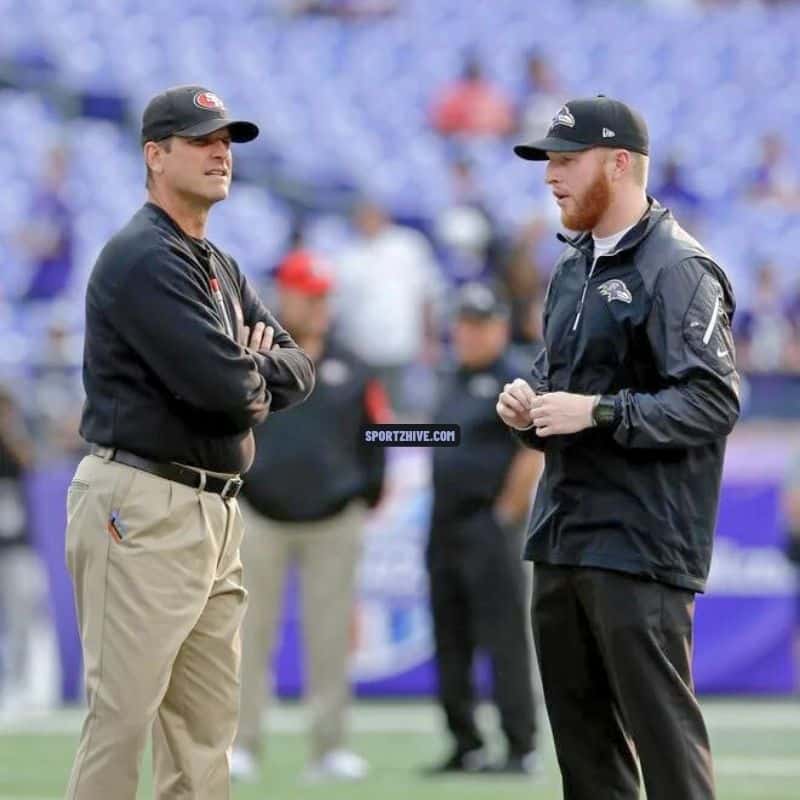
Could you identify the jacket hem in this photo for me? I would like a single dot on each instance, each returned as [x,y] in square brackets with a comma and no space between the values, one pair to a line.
[631,567]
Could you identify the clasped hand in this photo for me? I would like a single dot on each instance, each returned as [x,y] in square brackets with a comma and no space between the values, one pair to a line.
[551,414]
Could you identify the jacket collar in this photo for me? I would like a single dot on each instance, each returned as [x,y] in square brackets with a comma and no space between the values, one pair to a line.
[652,217]
[157,213]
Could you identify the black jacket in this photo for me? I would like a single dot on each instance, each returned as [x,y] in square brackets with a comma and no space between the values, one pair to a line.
[163,374]
[312,462]
[468,479]
[14,511]
[654,330]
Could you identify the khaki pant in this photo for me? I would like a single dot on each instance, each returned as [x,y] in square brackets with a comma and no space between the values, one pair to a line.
[327,554]
[160,603]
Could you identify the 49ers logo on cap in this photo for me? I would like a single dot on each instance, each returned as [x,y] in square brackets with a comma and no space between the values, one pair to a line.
[209,101]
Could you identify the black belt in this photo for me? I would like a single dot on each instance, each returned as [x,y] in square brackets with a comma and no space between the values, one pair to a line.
[197,479]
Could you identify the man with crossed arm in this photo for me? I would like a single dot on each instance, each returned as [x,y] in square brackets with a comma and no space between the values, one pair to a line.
[181,360]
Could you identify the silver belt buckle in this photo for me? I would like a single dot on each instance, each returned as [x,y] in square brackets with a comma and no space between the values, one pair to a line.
[231,488]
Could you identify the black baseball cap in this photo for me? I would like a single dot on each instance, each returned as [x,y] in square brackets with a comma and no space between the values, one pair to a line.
[191,111]
[479,301]
[590,122]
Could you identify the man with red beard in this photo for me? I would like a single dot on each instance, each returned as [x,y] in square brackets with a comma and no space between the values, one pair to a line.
[631,401]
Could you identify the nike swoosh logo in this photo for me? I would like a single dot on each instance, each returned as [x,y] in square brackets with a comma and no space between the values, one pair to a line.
[721,353]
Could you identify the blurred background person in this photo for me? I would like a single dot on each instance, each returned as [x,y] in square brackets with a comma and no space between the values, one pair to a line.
[774,178]
[56,394]
[47,238]
[472,105]
[465,186]
[793,315]
[479,587]
[464,234]
[674,192]
[22,582]
[540,94]
[295,244]
[307,495]
[526,276]
[790,502]
[388,289]
[764,329]
[470,246]
[343,9]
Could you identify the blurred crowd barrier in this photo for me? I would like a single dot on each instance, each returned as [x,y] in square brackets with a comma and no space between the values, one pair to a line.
[744,623]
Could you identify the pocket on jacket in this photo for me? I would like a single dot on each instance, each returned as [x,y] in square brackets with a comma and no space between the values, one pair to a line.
[707,327]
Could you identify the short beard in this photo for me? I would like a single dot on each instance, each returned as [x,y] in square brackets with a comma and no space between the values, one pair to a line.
[591,207]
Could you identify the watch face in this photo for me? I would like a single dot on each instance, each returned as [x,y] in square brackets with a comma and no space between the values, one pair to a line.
[604,412]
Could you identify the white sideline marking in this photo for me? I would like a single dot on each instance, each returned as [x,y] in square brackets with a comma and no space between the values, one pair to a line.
[28,797]
[766,767]
[418,718]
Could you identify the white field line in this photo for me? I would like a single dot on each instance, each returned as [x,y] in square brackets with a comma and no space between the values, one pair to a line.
[28,797]
[423,718]
[755,767]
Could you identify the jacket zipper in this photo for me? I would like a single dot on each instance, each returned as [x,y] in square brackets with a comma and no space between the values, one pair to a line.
[216,293]
[712,323]
[579,310]
[574,243]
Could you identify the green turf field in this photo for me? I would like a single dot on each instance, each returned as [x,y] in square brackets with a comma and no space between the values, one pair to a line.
[756,744]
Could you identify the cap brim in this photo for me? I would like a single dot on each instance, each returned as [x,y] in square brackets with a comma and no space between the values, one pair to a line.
[317,287]
[482,314]
[312,287]
[240,130]
[537,151]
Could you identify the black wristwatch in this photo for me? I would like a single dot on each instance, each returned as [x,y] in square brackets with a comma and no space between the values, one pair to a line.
[604,411]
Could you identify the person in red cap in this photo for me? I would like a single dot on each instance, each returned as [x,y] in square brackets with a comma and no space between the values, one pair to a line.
[302,273]
[306,498]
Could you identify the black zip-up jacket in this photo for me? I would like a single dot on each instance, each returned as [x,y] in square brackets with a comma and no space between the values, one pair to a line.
[164,375]
[651,326]
[312,462]
[469,478]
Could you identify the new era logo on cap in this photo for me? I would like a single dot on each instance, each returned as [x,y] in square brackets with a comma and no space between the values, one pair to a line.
[590,122]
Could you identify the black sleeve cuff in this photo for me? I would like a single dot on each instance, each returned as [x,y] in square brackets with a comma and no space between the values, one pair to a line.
[528,437]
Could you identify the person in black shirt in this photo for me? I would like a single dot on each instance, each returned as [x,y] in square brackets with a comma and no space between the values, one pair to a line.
[481,494]
[22,579]
[181,360]
[306,497]
[631,402]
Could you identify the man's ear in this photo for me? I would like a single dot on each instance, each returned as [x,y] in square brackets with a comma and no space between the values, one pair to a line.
[154,157]
[621,164]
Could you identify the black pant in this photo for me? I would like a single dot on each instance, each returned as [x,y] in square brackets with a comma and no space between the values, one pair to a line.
[615,658]
[478,600]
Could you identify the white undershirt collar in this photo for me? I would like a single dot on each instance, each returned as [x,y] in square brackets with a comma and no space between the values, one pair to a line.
[603,245]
